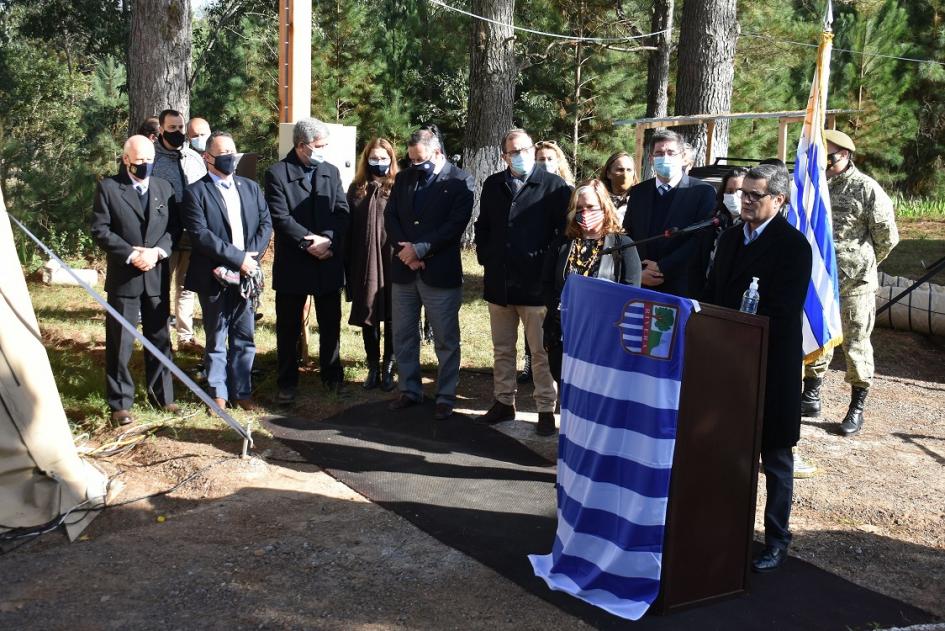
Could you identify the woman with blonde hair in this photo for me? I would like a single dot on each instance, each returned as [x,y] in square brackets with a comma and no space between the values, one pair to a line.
[618,176]
[591,228]
[549,156]
[369,255]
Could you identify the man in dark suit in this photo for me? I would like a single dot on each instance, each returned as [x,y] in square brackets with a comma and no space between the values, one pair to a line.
[230,228]
[521,211]
[311,218]
[670,200]
[766,246]
[429,207]
[133,220]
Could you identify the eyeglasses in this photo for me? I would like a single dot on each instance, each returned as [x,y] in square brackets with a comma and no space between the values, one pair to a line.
[668,154]
[518,152]
[752,196]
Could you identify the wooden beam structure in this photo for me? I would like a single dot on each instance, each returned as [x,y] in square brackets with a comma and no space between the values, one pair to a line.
[295,60]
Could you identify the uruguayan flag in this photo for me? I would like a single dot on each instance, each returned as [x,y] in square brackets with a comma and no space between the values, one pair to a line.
[810,211]
[620,382]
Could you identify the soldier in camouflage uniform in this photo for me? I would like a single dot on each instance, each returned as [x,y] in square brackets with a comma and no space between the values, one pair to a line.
[864,232]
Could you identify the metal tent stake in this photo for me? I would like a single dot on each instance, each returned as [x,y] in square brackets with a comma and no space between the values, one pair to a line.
[248,440]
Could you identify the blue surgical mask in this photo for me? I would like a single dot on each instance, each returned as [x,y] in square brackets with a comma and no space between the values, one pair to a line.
[522,164]
[551,166]
[668,167]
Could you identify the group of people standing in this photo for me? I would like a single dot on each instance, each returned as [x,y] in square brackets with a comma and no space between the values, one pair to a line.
[393,243]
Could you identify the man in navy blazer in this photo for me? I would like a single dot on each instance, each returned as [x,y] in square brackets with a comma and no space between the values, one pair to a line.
[310,215]
[134,221]
[429,208]
[670,200]
[229,224]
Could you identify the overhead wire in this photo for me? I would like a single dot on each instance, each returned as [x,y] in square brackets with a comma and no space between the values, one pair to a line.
[843,50]
[573,38]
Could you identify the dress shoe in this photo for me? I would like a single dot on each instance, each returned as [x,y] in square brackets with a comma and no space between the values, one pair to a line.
[526,375]
[246,404]
[372,380]
[546,424]
[387,376]
[497,413]
[171,408]
[853,421]
[218,401]
[122,417]
[285,396]
[442,411]
[402,402]
[769,560]
[810,398]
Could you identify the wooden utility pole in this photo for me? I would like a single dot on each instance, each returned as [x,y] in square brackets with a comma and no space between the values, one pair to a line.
[295,60]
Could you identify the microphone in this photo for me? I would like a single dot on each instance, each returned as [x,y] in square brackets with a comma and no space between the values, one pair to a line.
[699,225]
[669,233]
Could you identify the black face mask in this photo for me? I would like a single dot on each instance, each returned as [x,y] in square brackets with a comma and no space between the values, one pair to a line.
[426,168]
[379,170]
[225,163]
[833,158]
[141,171]
[174,138]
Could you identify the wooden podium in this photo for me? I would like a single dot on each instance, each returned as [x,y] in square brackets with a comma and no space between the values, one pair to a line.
[711,513]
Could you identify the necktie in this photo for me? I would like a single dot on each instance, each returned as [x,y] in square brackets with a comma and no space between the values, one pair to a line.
[663,189]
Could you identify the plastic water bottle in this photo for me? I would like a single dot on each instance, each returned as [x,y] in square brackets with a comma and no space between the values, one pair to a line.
[751,297]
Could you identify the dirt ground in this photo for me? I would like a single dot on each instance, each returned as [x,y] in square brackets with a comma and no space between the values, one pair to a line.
[273,543]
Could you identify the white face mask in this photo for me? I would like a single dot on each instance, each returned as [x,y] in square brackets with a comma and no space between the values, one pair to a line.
[199,143]
[733,201]
[551,166]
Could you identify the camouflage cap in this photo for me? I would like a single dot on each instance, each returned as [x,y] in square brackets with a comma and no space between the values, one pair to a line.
[839,138]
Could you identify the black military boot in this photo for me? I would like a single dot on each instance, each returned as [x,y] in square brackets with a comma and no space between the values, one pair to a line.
[810,398]
[373,376]
[853,421]
[387,375]
[526,375]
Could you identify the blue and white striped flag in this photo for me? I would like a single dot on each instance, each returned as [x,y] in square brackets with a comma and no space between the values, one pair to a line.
[810,211]
[620,383]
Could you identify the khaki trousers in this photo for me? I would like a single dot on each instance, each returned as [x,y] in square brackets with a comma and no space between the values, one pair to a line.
[504,321]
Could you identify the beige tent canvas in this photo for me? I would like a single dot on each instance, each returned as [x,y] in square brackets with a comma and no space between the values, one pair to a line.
[42,477]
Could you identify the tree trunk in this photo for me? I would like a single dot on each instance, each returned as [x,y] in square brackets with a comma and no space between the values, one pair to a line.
[657,77]
[707,38]
[158,59]
[492,75]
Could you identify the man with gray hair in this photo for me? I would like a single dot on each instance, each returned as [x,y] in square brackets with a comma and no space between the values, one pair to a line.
[521,213]
[429,208]
[310,218]
[770,249]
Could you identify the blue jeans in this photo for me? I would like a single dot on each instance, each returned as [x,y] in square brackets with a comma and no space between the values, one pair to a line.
[442,309]
[229,324]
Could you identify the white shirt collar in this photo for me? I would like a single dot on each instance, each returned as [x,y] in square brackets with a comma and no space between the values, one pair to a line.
[225,181]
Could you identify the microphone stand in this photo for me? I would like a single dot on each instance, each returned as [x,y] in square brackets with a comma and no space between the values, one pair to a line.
[669,233]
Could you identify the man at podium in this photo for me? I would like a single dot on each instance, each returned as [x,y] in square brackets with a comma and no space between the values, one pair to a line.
[766,246]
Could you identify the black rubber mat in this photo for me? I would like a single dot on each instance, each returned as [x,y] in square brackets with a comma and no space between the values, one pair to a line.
[487,495]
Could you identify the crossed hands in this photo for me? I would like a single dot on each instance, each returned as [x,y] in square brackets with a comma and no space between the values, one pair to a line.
[408,256]
[250,265]
[144,259]
[652,276]
[320,247]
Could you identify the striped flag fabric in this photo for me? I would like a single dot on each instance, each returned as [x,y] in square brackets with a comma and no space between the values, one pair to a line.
[810,211]
[620,385]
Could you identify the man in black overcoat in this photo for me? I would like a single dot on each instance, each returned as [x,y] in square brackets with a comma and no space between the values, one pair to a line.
[134,221]
[522,211]
[310,216]
[672,199]
[766,246]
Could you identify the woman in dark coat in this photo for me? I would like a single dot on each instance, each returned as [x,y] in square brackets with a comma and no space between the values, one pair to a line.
[591,227]
[369,256]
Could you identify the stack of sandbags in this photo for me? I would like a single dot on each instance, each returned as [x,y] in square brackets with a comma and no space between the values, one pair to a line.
[921,311]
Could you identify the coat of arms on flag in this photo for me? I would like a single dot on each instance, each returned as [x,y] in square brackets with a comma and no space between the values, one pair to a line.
[648,328]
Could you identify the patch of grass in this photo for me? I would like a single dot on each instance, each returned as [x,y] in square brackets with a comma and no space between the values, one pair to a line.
[922,242]
[919,207]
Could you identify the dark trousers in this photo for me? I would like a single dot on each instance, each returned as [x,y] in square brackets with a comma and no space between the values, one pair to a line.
[778,465]
[119,343]
[289,327]
[372,344]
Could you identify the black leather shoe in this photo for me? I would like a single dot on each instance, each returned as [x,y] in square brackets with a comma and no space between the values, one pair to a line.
[442,411]
[122,417]
[770,560]
[853,421]
[372,379]
[402,402]
[497,413]
[387,376]
[810,398]
[546,424]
